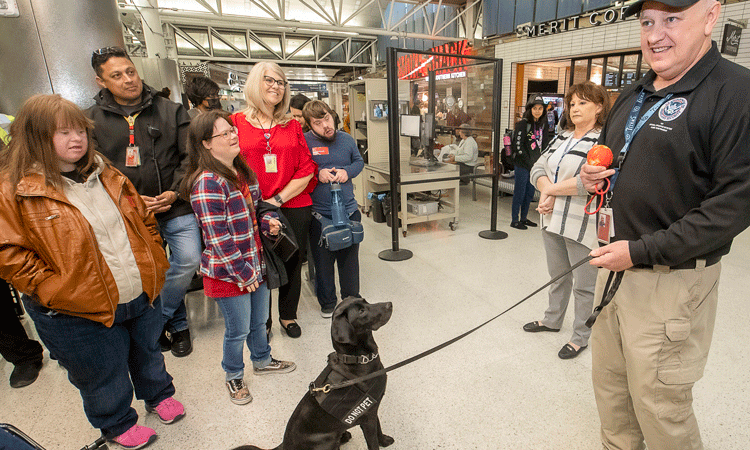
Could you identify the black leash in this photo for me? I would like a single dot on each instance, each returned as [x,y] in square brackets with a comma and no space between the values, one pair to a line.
[609,292]
[329,387]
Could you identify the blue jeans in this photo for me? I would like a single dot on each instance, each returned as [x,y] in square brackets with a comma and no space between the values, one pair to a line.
[324,260]
[102,361]
[183,236]
[245,321]
[523,193]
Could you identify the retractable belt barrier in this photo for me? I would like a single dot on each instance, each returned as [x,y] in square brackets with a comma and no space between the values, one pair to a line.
[329,387]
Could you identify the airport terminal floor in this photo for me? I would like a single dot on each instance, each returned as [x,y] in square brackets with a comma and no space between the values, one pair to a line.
[499,388]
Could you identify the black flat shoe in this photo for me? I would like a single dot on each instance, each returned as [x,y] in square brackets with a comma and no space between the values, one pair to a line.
[25,374]
[536,326]
[292,330]
[528,223]
[568,352]
[518,225]
[182,345]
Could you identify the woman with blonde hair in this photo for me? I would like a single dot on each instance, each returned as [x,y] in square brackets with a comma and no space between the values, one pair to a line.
[568,233]
[275,149]
[80,244]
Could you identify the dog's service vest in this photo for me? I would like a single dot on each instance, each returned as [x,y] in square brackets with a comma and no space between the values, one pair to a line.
[348,404]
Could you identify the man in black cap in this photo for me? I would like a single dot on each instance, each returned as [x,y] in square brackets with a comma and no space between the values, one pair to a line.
[679,195]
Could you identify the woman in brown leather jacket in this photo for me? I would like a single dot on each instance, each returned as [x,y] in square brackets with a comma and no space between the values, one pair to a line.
[76,239]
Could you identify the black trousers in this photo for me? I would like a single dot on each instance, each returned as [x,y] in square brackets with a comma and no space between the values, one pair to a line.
[346,259]
[15,345]
[299,219]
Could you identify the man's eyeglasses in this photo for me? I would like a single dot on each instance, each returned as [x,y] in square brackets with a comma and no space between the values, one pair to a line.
[107,50]
[270,82]
[226,134]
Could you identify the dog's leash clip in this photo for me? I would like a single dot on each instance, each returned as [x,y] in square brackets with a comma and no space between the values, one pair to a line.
[314,391]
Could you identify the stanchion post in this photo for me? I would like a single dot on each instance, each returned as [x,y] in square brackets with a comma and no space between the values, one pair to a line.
[394,153]
[493,233]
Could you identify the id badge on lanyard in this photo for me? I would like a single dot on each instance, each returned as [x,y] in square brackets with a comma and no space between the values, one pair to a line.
[132,152]
[605,223]
[269,160]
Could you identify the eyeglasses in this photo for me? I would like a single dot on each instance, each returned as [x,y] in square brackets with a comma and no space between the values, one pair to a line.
[270,81]
[107,50]
[226,134]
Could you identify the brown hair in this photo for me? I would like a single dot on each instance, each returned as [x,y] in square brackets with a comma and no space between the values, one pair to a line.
[316,109]
[590,92]
[200,158]
[31,148]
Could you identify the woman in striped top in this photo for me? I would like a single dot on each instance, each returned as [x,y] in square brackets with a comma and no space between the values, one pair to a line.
[567,232]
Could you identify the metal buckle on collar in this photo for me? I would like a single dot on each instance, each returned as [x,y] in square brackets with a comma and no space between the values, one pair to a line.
[366,359]
[357,359]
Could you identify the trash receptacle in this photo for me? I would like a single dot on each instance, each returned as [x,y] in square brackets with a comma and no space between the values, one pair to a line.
[387,209]
[376,206]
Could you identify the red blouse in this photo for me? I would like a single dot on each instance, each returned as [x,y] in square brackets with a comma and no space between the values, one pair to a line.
[293,158]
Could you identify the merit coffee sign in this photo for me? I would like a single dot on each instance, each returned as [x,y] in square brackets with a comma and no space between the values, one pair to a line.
[731,42]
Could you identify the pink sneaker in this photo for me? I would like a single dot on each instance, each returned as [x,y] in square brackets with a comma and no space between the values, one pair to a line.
[169,410]
[136,437]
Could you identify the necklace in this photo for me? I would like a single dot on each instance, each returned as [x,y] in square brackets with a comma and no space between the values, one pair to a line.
[266,133]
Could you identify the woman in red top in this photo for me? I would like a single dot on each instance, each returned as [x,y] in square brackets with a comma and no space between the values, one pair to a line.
[275,148]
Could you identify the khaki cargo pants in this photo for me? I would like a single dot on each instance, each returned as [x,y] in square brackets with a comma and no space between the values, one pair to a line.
[649,346]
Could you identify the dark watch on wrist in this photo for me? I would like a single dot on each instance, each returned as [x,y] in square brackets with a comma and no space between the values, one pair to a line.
[277,197]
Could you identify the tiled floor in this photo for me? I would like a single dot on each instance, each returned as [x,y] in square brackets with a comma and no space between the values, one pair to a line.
[499,388]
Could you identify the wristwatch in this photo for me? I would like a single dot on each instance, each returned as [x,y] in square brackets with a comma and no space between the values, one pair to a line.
[277,197]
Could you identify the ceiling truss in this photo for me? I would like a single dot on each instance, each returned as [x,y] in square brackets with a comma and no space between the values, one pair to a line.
[209,43]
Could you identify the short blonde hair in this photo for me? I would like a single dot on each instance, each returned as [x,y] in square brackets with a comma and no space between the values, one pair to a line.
[254,88]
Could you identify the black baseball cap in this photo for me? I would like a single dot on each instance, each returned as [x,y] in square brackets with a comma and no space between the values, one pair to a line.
[636,7]
[535,99]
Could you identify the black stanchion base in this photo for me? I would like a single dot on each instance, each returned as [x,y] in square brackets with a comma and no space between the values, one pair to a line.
[398,255]
[493,235]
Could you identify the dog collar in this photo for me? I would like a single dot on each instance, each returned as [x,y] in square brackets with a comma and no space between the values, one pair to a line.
[357,359]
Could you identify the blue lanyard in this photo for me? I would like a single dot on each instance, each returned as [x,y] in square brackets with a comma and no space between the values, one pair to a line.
[633,126]
[568,148]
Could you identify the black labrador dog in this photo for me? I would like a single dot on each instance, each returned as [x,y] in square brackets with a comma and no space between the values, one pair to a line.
[321,420]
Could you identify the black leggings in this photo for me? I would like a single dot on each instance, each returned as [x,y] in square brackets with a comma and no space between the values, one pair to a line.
[299,219]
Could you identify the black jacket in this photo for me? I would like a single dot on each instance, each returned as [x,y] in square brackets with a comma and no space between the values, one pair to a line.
[276,275]
[161,135]
[522,152]
[683,188]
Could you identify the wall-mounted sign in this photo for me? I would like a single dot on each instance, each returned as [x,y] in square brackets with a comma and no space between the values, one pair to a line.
[595,18]
[415,65]
[730,44]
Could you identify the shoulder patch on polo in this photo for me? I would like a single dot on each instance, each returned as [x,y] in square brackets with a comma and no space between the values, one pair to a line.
[672,109]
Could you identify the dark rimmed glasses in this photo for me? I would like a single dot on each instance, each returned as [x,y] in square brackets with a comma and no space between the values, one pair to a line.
[270,81]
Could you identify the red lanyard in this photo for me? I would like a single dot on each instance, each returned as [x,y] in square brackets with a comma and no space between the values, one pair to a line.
[131,127]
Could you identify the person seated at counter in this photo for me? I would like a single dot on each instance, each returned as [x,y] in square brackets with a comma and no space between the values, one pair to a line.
[465,153]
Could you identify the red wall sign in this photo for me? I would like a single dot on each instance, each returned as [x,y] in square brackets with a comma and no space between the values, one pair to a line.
[416,65]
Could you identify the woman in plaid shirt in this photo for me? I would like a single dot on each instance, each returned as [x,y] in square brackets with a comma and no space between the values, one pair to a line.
[224,193]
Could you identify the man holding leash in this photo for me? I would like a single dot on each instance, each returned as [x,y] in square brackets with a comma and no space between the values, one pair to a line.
[679,195]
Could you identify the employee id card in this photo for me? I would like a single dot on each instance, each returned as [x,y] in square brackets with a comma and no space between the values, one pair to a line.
[132,156]
[269,159]
[605,226]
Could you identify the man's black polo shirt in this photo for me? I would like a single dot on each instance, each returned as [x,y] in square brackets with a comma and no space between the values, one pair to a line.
[684,188]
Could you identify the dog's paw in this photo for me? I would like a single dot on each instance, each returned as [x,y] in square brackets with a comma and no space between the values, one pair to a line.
[385,441]
[346,437]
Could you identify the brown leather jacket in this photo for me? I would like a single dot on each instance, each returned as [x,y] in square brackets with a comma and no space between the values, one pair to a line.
[48,249]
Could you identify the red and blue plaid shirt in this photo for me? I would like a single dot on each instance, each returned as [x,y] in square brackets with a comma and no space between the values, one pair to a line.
[231,253]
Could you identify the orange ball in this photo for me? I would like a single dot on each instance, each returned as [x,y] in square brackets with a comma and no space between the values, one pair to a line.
[599,155]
